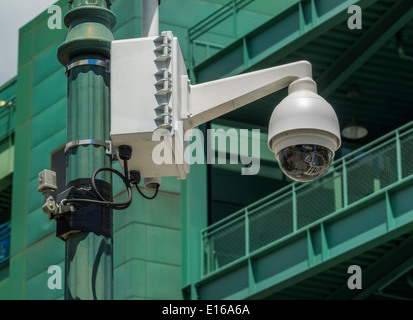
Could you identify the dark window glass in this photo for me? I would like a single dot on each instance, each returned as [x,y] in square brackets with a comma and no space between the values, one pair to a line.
[58,165]
[5,216]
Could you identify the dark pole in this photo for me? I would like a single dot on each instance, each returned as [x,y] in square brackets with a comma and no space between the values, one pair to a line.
[88,230]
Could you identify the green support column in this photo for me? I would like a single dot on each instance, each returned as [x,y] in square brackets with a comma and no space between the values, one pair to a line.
[89,262]
[194,217]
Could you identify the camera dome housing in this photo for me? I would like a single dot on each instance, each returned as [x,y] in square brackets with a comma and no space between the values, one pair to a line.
[305,162]
[304,132]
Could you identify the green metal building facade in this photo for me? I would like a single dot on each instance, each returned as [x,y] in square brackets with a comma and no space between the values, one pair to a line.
[218,234]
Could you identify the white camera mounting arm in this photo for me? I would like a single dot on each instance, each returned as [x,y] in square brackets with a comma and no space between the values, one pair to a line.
[153,103]
[210,100]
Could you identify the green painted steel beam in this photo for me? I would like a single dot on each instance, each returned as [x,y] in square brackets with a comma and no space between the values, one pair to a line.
[89,257]
[391,275]
[194,218]
[391,265]
[366,46]
[277,38]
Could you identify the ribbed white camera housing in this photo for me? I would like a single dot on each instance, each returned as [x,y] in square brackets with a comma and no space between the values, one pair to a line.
[303,117]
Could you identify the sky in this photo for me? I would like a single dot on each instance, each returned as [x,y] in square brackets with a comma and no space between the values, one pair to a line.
[14,14]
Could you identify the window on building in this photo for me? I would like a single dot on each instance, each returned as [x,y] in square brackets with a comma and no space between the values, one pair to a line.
[5,225]
[7,111]
[4,243]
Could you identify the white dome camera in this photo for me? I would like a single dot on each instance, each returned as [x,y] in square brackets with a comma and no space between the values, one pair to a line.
[304,132]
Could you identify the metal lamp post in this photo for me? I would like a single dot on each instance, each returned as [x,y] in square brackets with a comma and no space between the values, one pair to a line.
[87,228]
[85,54]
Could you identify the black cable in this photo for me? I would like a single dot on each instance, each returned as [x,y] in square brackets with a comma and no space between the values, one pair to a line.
[125,153]
[126,171]
[113,205]
[105,202]
[145,196]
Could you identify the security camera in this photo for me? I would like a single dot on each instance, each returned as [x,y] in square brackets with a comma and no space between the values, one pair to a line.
[304,132]
[47,181]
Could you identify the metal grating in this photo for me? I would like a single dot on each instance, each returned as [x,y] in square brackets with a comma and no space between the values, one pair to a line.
[406,143]
[224,246]
[370,172]
[314,203]
[269,224]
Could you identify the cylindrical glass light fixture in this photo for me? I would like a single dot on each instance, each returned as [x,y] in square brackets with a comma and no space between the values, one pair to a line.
[354,131]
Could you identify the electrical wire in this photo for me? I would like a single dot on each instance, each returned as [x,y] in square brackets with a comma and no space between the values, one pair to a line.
[105,202]
[126,172]
[110,204]
[113,205]
[145,196]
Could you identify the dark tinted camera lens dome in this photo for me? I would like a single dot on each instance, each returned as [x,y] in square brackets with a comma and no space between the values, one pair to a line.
[305,162]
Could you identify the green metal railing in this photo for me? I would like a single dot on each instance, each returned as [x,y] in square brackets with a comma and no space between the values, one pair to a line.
[4,243]
[232,23]
[227,11]
[384,162]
